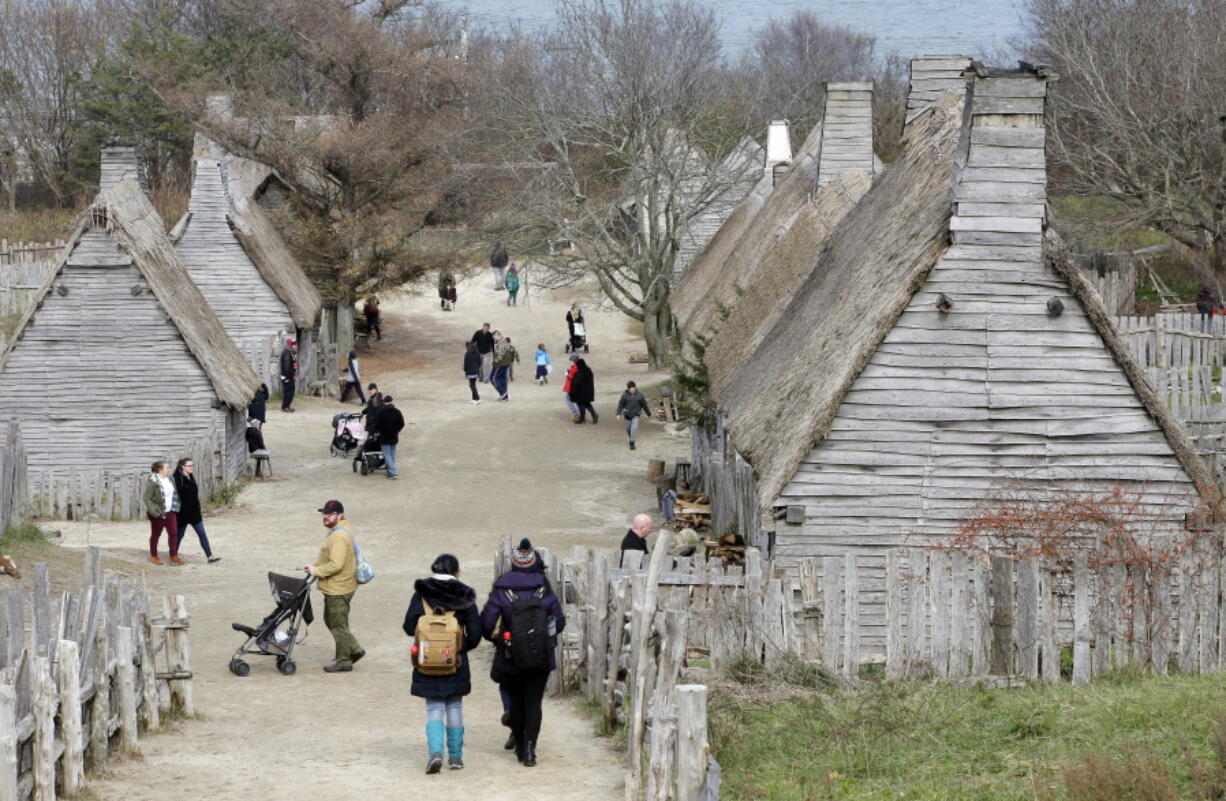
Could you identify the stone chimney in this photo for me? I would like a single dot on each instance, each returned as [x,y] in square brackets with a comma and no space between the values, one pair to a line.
[120,162]
[847,130]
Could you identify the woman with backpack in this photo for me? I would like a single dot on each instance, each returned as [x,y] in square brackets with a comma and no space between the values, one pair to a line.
[523,618]
[443,622]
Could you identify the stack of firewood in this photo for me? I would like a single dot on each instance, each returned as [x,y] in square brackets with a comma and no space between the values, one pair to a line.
[730,548]
[693,510]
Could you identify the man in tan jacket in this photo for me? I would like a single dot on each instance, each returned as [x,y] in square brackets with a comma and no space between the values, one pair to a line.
[335,568]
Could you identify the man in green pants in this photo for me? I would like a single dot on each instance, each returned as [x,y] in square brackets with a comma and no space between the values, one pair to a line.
[335,567]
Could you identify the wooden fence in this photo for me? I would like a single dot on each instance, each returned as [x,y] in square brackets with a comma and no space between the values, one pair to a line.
[632,630]
[14,494]
[718,470]
[19,281]
[951,616]
[111,494]
[80,681]
[16,252]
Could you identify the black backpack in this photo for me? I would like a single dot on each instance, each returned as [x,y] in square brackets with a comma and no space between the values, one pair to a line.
[529,647]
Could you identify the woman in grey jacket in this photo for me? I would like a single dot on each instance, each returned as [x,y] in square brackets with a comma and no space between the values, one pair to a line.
[162,507]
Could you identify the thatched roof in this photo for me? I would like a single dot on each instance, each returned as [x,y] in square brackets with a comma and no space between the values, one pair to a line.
[265,246]
[786,267]
[125,210]
[733,255]
[784,398]
[782,402]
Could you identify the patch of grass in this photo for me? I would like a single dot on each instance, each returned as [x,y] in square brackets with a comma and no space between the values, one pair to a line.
[37,225]
[936,742]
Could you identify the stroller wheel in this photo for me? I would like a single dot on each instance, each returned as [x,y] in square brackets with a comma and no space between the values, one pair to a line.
[239,668]
[365,470]
[332,451]
[286,666]
[355,465]
[586,349]
[568,347]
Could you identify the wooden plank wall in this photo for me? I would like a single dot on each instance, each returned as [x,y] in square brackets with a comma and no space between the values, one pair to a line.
[719,471]
[14,491]
[931,75]
[255,318]
[12,252]
[19,281]
[79,678]
[103,384]
[847,130]
[738,173]
[950,615]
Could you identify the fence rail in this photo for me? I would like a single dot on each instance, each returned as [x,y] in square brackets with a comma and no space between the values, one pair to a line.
[80,680]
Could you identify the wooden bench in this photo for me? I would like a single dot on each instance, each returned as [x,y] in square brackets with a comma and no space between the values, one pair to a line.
[362,338]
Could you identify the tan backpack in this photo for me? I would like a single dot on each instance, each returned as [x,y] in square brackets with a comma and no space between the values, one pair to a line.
[437,642]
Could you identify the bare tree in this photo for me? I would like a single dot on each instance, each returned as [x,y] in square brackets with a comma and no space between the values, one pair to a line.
[46,49]
[1139,113]
[354,115]
[600,121]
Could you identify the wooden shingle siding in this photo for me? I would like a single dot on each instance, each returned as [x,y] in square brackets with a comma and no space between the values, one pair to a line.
[847,131]
[955,405]
[101,381]
[740,170]
[250,311]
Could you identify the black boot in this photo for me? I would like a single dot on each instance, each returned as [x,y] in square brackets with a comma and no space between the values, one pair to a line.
[510,745]
[529,754]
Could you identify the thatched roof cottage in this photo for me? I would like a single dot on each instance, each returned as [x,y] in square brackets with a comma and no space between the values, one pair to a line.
[943,349]
[120,361]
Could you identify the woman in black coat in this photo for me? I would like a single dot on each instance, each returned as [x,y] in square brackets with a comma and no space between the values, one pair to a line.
[257,409]
[190,513]
[583,392]
[444,695]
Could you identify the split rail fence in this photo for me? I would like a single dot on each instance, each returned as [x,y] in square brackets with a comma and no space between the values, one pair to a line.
[80,678]
[948,615]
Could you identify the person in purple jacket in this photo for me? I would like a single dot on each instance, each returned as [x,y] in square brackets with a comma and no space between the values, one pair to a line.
[526,686]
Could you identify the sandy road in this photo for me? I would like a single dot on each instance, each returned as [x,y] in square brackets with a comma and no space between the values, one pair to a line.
[468,475]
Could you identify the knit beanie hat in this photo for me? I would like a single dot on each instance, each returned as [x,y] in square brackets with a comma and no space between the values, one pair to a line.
[524,556]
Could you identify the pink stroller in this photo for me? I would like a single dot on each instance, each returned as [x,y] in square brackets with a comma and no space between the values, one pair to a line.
[348,433]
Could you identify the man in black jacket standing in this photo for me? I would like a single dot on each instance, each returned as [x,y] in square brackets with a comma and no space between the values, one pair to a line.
[636,537]
[289,374]
[387,425]
[484,340]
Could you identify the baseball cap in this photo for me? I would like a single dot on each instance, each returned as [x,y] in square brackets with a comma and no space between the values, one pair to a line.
[333,507]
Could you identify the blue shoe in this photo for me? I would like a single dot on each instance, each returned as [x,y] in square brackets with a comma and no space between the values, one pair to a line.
[455,747]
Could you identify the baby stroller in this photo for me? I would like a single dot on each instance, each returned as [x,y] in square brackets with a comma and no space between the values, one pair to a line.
[348,433]
[370,456]
[277,634]
[578,339]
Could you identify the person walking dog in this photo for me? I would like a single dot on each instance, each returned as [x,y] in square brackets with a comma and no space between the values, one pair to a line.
[162,507]
[443,621]
[336,569]
[631,406]
[523,618]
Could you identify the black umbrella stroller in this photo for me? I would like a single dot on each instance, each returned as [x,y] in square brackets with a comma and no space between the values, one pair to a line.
[277,634]
[370,456]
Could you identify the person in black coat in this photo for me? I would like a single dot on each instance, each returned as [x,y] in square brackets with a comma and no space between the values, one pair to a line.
[583,392]
[444,695]
[289,374]
[472,369]
[388,424]
[526,687]
[258,408]
[190,513]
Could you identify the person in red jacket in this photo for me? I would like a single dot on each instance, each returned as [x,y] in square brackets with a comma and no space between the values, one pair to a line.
[570,376]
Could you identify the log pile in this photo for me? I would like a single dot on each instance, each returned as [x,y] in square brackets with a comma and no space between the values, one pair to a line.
[730,548]
[693,510]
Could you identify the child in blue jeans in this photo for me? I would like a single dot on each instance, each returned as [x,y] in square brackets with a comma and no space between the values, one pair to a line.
[542,364]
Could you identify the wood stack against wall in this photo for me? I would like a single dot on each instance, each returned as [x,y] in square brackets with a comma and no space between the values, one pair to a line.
[80,680]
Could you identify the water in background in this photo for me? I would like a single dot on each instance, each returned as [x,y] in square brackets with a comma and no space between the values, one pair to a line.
[910,27]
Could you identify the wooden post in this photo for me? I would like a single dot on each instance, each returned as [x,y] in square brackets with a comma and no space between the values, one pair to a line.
[8,742]
[959,616]
[895,662]
[100,704]
[851,618]
[938,602]
[617,636]
[1026,634]
[72,766]
[982,638]
[181,695]
[1002,615]
[638,652]
[917,609]
[664,705]
[832,627]
[812,634]
[42,609]
[1081,622]
[150,713]
[598,624]
[754,641]
[126,686]
[1188,654]
[692,748]
[1048,624]
[45,702]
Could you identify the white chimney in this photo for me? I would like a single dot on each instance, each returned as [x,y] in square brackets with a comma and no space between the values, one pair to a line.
[119,163]
[778,145]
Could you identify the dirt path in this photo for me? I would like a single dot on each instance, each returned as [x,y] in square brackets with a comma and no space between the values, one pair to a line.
[468,475]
